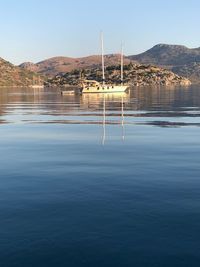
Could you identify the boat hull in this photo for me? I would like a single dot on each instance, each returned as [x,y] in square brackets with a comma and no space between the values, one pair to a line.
[105,89]
[69,92]
[37,86]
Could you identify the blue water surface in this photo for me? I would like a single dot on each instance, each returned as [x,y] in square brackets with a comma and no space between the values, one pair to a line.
[100,180]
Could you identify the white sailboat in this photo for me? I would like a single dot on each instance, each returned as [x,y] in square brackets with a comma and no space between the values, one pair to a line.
[37,85]
[92,86]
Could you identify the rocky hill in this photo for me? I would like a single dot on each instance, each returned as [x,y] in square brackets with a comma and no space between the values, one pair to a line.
[11,75]
[191,71]
[61,65]
[180,59]
[134,75]
[171,55]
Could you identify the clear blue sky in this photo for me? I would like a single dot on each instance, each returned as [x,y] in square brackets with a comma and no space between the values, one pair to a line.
[33,30]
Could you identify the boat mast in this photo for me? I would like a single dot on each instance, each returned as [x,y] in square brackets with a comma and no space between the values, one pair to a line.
[122,64]
[123,135]
[102,59]
[104,121]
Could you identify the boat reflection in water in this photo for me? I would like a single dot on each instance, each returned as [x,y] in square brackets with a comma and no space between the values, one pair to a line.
[106,103]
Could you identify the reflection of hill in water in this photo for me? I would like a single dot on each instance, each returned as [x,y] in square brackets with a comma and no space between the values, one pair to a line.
[148,99]
[166,98]
[49,106]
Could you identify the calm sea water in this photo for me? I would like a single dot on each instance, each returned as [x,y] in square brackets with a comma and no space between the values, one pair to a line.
[100,180]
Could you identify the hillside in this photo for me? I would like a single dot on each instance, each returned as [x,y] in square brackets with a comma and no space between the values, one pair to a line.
[177,58]
[11,75]
[171,55]
[61,65]
[192,71]
[180,59]
[134,75]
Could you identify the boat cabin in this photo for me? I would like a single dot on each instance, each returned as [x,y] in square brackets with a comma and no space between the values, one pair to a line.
[93,83]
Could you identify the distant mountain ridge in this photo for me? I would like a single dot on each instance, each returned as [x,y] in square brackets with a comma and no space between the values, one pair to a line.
[163,54]
[68,71]
[180,59]
[177,58]
[61,65]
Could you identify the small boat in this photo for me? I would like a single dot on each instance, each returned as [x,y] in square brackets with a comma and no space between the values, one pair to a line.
[92,86]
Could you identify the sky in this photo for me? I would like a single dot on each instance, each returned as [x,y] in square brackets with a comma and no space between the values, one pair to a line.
[34,30]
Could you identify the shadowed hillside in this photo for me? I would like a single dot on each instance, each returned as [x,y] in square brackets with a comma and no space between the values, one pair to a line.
[163,54]
[11,75]
[180,59]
